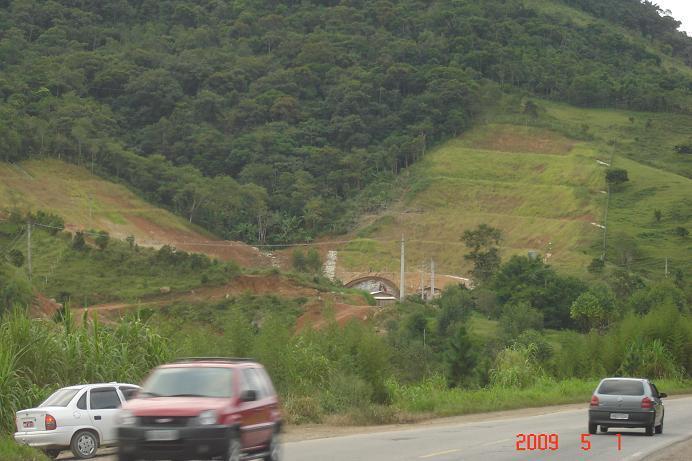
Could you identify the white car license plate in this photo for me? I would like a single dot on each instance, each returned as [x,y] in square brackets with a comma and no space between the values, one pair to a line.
[619,416]
[28,424]
[162,436]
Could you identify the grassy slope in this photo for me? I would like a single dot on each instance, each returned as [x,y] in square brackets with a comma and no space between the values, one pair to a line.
[535,198]
[86,201]
[80,198]
[542,187]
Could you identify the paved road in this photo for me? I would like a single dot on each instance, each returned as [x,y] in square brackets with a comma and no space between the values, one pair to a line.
[494,440]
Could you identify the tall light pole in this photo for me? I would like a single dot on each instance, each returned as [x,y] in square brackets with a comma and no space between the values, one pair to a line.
[402,277]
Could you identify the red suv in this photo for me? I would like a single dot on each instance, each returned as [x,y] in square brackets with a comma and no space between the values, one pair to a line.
[202,408]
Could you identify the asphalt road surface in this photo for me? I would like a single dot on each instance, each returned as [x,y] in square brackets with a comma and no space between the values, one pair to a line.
[494,440]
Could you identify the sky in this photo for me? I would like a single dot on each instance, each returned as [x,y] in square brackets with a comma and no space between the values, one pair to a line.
[682,11]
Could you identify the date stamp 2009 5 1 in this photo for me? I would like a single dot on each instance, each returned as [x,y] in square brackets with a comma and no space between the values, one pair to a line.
[551,442]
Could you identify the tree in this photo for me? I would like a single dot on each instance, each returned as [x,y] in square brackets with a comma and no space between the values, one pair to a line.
[596,266]
[16,257]
[616,176]
[14,288]
[517,318]
[298,260]
[531,280]
[484,252]
[78,242]
[456,304]
[460,357]
[681,231]
[102,240]
[313,261]
[595,309]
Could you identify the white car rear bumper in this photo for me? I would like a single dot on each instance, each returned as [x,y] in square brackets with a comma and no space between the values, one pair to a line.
[44,439]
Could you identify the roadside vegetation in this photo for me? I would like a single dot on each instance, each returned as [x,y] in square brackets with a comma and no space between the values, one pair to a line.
[11,451]
[88,267]
[525,336]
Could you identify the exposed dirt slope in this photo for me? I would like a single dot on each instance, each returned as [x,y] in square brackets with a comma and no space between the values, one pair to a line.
[86,201]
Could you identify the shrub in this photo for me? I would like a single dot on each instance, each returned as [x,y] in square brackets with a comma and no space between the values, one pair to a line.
[456,304]
[102,240]
[516,367]
[519,317]
[650,359]
[16,257]
[616,176]
[78,242]
[595,308]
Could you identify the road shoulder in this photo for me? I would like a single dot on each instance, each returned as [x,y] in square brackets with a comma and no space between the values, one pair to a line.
[677,452]
[323,431]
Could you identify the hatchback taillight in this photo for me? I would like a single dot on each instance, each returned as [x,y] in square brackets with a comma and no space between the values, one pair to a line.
[594,401]
[51,424]
[647,403]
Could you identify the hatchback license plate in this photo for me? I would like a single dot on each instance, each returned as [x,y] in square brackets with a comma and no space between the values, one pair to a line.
[162,436]
[28,424]
[619,416]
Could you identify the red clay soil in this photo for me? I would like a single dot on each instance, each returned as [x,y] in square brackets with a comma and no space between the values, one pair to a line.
[43,306]
[514,139]
[254,284]
[315,317]
[245,255]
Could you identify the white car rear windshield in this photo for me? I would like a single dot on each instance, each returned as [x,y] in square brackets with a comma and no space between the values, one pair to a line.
[60,398]
[215,382]
[621,387]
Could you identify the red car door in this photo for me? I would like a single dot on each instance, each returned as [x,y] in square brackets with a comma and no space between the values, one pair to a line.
[252,412]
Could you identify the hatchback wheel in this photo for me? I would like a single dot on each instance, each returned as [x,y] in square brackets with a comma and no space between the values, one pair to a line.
[233,449]
[659,428]
[274,448]
[650,429]
[84,445]
[593,428]
[604,429]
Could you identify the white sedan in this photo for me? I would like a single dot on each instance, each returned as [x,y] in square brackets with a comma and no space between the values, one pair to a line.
[79,418]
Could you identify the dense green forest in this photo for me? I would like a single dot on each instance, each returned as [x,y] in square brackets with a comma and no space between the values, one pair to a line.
[266,121]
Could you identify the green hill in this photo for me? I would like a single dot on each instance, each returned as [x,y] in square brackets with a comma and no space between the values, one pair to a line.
[262,121]
[541,183]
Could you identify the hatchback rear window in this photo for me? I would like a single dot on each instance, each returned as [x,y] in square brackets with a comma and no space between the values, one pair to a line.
[189,382]
[60,398]
[621,387]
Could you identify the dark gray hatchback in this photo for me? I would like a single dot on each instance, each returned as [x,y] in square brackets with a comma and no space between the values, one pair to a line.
[626,402]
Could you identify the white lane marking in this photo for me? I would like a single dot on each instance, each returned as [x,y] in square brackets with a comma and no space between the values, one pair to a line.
[440,453]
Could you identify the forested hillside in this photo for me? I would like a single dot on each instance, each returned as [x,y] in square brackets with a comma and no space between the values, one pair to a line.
[272,121]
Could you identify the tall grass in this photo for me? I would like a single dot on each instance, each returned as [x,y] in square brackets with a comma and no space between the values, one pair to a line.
[37,356]
[435,398]
[12,451]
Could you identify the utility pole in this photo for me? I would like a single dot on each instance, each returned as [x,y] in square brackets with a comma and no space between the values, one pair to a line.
[432,279]
[421,284]
[605,223]
[28,246]
[402,278]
